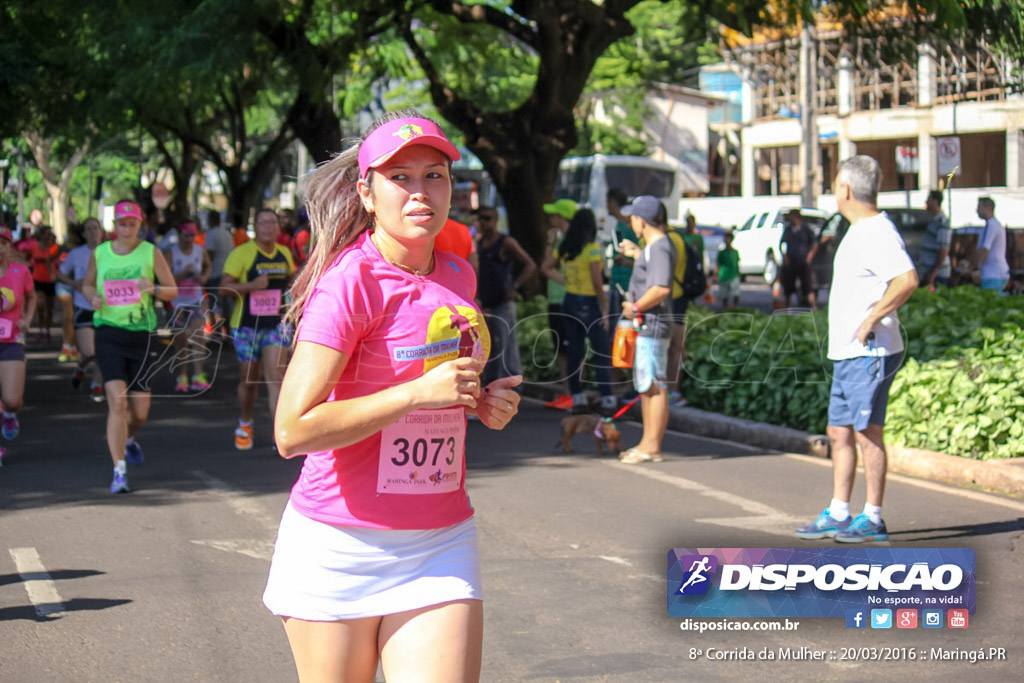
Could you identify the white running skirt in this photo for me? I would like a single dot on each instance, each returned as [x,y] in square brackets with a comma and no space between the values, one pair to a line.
[322,572]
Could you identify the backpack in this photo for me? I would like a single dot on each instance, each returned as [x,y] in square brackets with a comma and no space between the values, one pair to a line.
[694,281]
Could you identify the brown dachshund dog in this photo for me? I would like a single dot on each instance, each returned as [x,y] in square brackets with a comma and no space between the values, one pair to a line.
[604,431]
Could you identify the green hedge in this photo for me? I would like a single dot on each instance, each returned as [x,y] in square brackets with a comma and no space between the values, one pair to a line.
[769,368]
[961,390]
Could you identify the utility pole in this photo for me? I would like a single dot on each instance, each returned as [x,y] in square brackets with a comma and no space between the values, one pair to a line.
[21,188]
[810,151]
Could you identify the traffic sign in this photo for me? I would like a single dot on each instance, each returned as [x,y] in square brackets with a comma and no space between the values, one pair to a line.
[949,155]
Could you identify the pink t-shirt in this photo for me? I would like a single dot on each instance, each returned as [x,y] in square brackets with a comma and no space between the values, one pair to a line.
[14,284]
[394,326]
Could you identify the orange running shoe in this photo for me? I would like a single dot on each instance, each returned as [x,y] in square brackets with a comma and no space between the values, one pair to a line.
[243,437]
[563,402]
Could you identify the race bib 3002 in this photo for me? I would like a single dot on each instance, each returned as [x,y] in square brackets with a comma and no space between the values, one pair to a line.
[265,302]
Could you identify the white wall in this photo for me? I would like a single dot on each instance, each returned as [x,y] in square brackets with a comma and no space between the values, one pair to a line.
[733,211]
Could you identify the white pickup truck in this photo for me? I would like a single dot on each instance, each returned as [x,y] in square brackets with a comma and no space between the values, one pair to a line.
[757,240]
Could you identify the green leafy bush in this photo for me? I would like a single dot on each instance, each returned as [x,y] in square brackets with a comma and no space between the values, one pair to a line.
[961,390]
[536,341]
[769,368]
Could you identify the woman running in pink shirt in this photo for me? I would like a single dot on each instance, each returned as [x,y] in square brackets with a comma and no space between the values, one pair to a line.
[376,557]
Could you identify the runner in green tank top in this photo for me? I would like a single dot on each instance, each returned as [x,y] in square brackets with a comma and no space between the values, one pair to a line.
[121,282]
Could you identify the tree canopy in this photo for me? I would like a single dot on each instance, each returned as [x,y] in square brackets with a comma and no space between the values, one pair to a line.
[232,82]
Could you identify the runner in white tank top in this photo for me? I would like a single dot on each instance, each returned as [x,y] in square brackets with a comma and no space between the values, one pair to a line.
[190,264]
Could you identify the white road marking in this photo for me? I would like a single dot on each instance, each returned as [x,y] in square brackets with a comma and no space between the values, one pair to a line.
[260,550]
[763,518]
[948,489]
[239,502]
[616,560]
[245,506]
[41,589]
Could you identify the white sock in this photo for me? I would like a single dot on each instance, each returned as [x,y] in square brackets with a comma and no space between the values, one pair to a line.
[579,399]
[608,402]
[873,512]
[121,467]
[244,423]
[839,510]
[9,414]
[130,441]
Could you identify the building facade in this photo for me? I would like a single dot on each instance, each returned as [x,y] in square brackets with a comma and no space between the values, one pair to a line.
[949,107]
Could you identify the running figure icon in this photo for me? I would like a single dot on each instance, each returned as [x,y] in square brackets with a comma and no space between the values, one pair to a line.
[697,569]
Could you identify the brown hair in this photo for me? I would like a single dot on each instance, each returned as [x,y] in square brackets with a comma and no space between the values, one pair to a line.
[336,213]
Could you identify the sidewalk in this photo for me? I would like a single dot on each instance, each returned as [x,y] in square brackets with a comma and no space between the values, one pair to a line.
[997,476]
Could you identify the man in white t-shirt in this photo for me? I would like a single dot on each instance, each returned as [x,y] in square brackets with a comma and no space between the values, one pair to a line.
[872,277]
[991,252]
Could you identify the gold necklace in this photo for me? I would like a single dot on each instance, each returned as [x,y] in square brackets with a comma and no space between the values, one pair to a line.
[402,266]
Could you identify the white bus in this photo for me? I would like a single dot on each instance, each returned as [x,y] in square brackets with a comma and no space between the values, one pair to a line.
[586,180]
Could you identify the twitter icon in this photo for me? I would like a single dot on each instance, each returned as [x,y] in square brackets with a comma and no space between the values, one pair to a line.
[881,618]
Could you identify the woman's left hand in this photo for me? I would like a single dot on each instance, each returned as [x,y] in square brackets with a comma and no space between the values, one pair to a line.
[498,404]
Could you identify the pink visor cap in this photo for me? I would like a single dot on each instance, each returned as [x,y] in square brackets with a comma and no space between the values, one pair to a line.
[127,210]
[188,228]
[387,140]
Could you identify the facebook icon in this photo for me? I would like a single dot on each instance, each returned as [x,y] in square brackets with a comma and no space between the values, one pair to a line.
[855,618]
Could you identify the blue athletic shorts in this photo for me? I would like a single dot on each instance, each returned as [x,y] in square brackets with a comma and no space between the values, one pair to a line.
[249,342]
[649,363]
[860,390]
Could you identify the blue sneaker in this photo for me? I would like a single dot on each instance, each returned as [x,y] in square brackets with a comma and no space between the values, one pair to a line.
[825,526]
[863,530]
[120,483]
[9,426]
[133,453]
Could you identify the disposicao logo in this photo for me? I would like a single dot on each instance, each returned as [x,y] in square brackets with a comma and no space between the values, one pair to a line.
[696,580]
[834,582]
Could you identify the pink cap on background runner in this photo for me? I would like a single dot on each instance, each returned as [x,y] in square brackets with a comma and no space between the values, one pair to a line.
[127,210]
[5,233]
[386,140]
[188,229]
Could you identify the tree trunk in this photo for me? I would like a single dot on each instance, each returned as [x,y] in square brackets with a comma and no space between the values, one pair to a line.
[525,182]
[316,126]
[58,186]
[521,148]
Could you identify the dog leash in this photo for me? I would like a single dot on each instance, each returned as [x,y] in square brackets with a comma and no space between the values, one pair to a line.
[623,409]
[620,413]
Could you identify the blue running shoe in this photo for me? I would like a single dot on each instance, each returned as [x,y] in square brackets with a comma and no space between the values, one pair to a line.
[120,483]
[825,526]
[133,453]
[9,426]
[863,530]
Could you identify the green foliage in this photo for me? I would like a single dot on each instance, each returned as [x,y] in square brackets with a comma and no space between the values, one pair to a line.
[961,390]
[760,367]
[482,64]
[670,43]
[536,341]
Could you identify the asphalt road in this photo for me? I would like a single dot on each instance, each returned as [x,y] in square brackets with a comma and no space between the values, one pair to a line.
[165,584]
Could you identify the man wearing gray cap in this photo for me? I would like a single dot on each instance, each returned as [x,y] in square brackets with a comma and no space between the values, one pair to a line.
[650,307]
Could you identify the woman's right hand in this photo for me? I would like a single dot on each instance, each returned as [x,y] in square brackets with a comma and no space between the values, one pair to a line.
[453,383]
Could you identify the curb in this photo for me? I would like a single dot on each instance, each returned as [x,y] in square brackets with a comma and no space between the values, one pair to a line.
[998,476]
